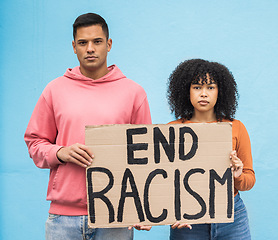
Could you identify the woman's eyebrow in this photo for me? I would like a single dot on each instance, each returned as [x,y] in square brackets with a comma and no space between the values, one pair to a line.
[210,83]
[196,83]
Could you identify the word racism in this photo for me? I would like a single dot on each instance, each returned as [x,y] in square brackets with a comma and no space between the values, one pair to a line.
[159,174]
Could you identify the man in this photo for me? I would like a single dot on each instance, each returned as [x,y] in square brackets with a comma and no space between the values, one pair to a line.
[90,94]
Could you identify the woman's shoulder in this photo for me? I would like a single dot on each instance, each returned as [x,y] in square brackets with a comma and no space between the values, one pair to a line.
[235,122]
[238,128]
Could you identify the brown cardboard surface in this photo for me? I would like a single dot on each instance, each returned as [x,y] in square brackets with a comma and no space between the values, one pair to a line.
[133,181]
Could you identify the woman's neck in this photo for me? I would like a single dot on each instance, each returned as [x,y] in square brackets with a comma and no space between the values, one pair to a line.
[203,117]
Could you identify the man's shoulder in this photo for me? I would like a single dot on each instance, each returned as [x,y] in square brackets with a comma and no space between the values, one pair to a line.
[134,86]
[117,74]
[56,81]
[54,85]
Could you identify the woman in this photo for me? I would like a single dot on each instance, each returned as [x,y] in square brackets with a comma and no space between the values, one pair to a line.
[200,91]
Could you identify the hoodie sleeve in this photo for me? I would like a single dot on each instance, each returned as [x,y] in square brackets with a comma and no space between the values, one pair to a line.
[142,115]
[40,136]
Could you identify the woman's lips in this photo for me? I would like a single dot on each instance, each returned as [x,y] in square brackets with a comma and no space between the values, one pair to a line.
[203,102]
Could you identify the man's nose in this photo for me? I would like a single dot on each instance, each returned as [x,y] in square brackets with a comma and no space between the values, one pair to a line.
[90,47]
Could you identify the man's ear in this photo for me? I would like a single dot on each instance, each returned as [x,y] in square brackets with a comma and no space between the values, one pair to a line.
[73,45]
[109,44]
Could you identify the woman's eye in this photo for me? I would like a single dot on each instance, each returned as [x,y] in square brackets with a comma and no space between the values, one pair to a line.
[212,87]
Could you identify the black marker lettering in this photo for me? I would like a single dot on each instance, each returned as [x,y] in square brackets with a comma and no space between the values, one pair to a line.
[131,147]
[93,195]
[177,195]
[194,147]
[146,197]
[194,194]
[134,194]
[226,177]
[169,148]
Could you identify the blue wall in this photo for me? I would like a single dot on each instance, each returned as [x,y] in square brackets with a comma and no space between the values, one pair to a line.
[149,39]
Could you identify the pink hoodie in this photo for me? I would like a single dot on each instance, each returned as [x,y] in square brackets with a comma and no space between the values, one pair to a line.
[66,106]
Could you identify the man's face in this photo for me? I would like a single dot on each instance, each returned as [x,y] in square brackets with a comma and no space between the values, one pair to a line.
[91,47]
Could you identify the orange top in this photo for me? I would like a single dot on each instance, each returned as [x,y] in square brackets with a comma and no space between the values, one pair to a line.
[242,145]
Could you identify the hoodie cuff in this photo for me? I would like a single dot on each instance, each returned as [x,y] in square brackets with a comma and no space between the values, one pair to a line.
[52,156]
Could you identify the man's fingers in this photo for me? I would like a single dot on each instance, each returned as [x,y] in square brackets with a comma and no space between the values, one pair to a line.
[82,156]
[78,163]
[83,151]
[77,159]
[76,153]
[88,151]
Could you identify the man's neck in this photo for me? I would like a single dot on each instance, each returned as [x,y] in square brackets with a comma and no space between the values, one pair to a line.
[94,74]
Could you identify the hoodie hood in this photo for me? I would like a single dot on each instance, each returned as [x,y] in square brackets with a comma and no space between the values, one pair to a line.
[114,74]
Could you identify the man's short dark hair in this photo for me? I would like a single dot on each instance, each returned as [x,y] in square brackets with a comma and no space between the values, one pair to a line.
[89,19]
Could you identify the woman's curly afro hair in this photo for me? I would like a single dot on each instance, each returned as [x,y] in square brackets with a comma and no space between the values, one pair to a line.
[196,70]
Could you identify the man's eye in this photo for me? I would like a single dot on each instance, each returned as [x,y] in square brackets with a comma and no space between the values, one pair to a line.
[98,41]
[82,43]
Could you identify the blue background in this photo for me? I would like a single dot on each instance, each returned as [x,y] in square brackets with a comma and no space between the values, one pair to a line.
[149,39]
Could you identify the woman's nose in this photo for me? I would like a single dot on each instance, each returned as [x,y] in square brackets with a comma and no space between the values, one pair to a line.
[204,93]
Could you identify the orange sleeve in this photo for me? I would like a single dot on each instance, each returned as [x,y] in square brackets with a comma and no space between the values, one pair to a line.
[242,145]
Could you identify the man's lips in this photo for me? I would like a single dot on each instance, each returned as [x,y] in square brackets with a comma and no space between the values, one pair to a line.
[91,57]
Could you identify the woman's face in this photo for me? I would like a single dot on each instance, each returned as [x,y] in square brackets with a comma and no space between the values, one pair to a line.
[203,96]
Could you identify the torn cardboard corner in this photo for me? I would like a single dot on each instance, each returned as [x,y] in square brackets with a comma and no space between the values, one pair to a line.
[159,174]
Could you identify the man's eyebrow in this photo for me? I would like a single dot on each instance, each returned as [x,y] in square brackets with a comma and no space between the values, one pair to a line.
[81,40]
[85,40]
[99,38]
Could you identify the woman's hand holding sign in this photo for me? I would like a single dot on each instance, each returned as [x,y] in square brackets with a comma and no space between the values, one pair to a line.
[179,225]
[140,227]
[236,164]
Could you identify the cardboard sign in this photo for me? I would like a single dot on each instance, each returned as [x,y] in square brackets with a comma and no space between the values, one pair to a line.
[159,174]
